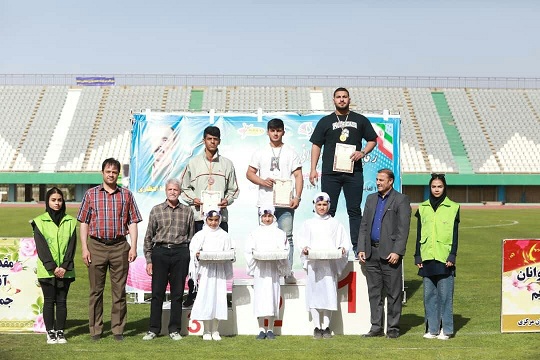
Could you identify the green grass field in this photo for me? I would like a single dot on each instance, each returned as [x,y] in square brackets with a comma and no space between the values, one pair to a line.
[476,310]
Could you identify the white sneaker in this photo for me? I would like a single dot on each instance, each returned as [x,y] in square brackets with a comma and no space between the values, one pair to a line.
[207,336]
[51,337]
[290,279]
[149,336]
[175,336]
[60,338]
[215,336]
[429,336]
[442,336]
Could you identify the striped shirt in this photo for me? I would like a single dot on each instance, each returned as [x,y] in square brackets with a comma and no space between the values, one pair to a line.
[169,225]
[108,215]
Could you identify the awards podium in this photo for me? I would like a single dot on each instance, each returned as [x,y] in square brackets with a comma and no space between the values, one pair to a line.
[351,318]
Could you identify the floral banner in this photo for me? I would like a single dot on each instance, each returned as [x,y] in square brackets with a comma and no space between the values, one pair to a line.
[21,299]
[520,307]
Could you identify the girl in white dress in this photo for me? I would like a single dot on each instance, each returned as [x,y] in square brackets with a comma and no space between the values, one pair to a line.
[267,237]
[211,303]
[323,232]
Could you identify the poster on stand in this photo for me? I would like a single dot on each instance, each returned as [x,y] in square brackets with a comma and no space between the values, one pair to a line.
[21,299]
[520,305]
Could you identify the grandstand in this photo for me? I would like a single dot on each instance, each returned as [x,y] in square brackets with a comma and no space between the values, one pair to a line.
[486,135]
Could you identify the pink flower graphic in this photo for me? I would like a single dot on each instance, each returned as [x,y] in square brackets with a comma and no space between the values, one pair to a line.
[17,267]
[39,324]
[27,248]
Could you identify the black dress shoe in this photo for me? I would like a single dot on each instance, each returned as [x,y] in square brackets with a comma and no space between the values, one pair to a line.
[188,302]
[373,334]
[392,334]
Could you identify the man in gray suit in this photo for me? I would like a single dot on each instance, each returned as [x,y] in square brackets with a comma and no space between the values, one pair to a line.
[381,246]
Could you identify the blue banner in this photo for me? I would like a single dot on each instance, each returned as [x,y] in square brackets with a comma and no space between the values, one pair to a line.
[163,143]
[94,80]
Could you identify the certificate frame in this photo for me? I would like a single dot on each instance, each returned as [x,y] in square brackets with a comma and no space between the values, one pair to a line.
[282,192]
[342,158]
[210,199]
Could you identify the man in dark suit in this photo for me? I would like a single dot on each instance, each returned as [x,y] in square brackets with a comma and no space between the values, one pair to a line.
[381,246]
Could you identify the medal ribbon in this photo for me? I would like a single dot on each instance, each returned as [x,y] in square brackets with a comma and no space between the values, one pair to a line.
[342,137]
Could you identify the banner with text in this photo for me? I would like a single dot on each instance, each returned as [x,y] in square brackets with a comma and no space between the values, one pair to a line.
[163,144]
[520,306]
[21,299]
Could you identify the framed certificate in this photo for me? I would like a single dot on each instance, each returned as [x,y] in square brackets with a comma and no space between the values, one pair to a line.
[210,199]
[342,158]
[282,192]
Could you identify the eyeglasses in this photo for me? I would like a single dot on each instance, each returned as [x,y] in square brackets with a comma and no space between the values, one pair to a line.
[437,176]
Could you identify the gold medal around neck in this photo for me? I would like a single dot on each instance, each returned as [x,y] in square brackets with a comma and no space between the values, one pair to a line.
[344,131]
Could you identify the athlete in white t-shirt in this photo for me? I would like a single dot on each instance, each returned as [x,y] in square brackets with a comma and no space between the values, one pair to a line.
[271,162]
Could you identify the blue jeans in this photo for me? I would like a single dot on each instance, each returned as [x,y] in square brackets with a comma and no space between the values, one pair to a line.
[353,188]
[439,303]
[285,219]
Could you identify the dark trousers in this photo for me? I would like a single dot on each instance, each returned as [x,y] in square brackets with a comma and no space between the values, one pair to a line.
[168,266]
[115,259]
[382,276]
[353,189]
[198,227]
[54,295]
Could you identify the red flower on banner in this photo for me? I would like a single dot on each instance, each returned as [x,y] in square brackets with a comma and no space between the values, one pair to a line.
[519,253]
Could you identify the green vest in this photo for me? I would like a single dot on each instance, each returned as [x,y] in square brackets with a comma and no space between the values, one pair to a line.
[57,238]
[437,230]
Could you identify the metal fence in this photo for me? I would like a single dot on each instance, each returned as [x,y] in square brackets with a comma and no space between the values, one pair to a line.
[280,80]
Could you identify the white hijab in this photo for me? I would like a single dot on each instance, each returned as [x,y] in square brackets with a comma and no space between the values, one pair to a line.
[213,211]
[321,196]
[267,209]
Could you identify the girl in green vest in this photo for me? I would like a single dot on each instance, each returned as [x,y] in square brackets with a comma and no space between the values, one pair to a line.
[55,237]
[435,257]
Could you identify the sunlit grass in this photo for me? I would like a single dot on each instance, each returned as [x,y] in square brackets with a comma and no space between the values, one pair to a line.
[477,311]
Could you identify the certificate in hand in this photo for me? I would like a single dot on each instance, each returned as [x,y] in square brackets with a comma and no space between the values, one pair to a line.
[342,158]
[210,199]
[282,191]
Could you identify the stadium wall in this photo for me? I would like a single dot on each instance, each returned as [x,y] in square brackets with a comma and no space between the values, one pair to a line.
[24,187]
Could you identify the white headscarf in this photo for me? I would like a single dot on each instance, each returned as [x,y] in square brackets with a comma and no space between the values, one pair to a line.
[321,196]
[213,211]
[267,209]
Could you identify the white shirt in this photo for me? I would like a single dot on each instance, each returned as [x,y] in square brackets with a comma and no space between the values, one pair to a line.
[261,160]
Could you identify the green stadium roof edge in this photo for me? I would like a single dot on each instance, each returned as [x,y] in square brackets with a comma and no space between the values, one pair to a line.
[408,179]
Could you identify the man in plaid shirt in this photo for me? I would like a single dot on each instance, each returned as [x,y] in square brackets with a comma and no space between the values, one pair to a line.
[108,213]
[166,249]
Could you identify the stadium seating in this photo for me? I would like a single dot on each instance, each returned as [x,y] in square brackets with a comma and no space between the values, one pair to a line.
[499,129]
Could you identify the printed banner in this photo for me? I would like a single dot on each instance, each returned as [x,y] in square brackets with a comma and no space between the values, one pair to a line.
[94,81]
[520,306]
[163,144]
[21,299]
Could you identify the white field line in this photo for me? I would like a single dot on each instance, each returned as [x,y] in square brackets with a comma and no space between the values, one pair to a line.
[511,223]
